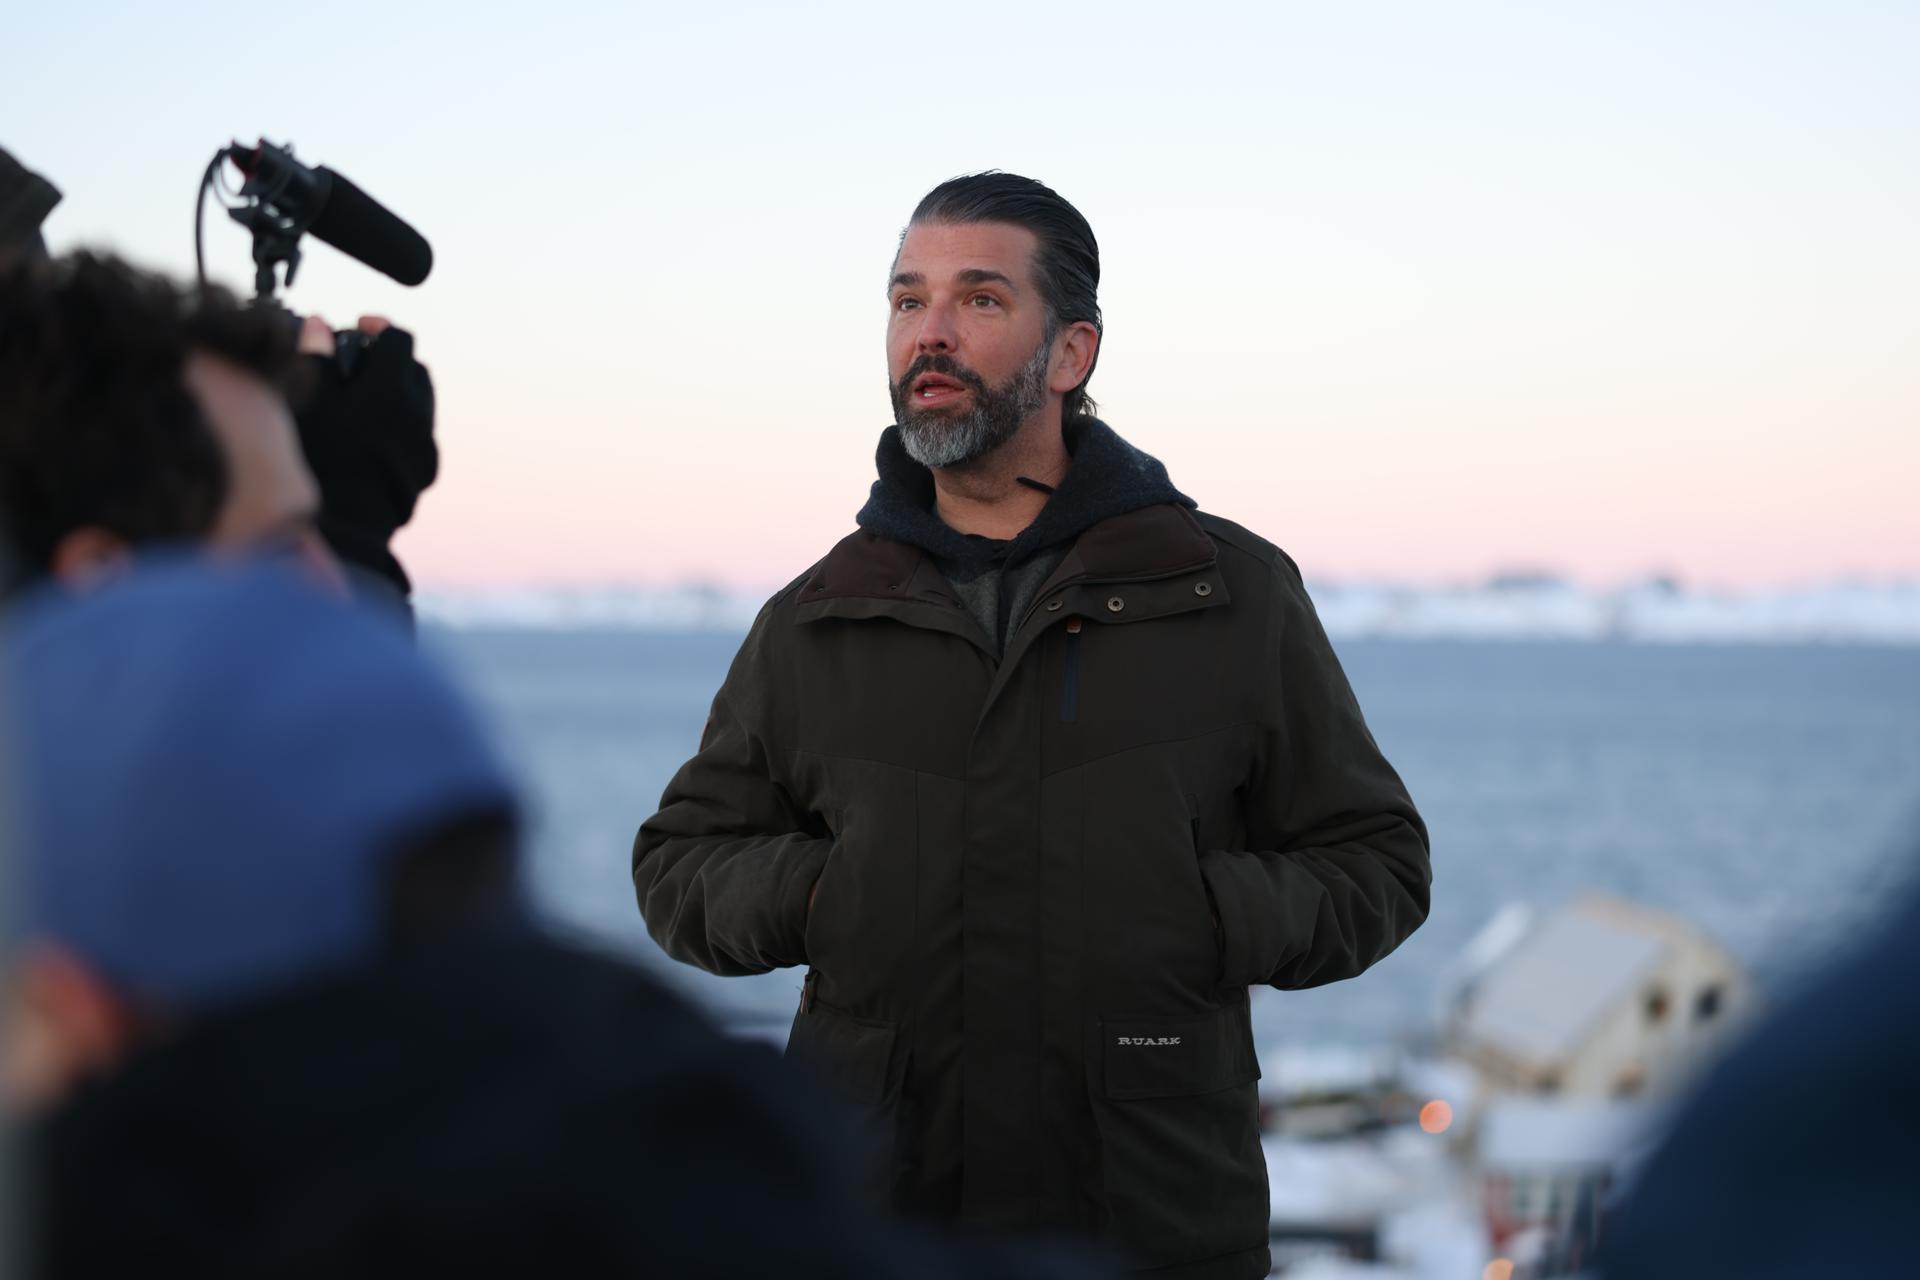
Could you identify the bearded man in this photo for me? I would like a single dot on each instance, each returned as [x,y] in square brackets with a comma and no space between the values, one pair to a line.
[1038,772]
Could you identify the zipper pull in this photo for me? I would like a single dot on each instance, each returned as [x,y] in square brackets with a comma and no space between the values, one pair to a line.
[1070,674]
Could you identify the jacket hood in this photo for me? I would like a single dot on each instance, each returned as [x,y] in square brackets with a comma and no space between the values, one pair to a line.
[1109,477]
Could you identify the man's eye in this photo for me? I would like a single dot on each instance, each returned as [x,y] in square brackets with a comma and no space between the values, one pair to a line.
[984,300]
[905,304]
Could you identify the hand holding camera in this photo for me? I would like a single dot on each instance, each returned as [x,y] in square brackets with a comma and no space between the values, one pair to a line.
[366,426]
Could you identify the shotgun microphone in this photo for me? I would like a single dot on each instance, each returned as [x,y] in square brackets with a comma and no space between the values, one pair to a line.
[326,204]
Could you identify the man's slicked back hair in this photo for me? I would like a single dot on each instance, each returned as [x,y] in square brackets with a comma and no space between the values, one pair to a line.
[1066,266]
[97,426]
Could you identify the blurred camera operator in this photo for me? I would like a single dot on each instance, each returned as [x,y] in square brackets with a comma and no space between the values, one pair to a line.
[135,413]
[325,456]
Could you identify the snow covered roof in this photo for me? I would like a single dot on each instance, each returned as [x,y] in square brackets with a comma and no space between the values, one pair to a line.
[1292,1071]
[1355,1182]
[1540,999]
[1347,1269]
[1331,1183]
[1534,1133]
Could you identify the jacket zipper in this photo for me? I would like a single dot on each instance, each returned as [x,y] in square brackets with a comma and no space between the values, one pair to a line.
[806,989]
[1070,679]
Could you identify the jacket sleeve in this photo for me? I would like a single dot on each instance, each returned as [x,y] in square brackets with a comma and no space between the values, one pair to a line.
[724,869]
[1337,872]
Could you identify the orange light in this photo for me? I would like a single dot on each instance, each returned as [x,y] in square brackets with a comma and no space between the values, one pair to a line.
[1436,1116]
[1498,1269]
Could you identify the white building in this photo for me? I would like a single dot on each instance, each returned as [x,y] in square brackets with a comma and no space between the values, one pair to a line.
[1578,1026]
[1600,999]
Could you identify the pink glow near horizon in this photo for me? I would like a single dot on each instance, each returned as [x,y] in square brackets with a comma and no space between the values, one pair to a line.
[1761,481]
[705,513]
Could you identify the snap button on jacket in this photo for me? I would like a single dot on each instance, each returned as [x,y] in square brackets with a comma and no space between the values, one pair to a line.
[1042,885]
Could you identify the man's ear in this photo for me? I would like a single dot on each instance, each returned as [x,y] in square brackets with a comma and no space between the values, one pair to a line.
[89,555]
[1074,353]
[63,1025]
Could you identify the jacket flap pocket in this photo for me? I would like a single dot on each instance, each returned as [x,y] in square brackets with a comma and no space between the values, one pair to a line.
[1162,1058]
[852,1056]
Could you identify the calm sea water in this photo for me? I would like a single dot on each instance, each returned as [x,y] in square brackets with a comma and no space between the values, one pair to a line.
[1772,794]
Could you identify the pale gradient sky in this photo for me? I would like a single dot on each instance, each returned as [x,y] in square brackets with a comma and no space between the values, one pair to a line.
[1415,290]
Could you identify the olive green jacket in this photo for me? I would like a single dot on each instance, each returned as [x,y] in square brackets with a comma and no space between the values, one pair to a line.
[1046,882]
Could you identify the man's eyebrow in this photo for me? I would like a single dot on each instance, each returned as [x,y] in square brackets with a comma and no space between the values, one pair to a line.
[980,275]
[971,275]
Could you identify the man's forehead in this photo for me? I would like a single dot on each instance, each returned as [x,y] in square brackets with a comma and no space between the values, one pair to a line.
[940,251]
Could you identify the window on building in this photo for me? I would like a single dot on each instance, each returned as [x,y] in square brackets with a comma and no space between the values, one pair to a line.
[1526,1198]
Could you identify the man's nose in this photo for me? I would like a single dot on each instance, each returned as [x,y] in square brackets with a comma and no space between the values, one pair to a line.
[937,335]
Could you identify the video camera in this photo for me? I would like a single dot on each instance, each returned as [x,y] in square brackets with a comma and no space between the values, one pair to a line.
[282,199]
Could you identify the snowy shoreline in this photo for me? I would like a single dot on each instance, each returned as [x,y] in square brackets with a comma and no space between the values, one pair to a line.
[1531,608]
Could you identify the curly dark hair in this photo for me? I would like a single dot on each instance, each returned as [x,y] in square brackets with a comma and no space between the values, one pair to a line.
[97,427]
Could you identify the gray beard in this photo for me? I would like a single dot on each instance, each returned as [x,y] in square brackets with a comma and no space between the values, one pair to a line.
[937,440]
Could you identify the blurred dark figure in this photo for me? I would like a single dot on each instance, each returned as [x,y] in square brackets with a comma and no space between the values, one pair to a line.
[26,199]
[364,415]
[1800,1155]
[275,1007]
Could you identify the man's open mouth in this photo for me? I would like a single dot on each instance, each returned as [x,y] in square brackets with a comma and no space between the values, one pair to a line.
[932,386]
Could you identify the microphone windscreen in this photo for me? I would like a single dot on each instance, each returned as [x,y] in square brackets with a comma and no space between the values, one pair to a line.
[357,225]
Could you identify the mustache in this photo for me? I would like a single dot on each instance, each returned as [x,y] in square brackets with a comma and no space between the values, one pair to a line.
[946,367]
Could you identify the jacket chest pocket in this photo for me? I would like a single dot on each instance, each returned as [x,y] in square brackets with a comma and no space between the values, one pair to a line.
[1114,685]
